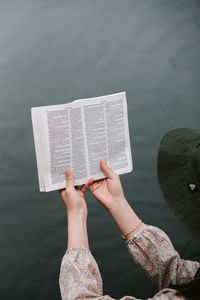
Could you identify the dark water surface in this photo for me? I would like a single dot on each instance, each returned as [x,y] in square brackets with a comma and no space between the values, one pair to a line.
[52,52]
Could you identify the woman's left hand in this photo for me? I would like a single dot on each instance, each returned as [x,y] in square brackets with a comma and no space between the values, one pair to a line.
[73,197]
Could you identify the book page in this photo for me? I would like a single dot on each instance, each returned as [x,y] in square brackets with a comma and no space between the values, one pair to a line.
[63,145]
[107,134]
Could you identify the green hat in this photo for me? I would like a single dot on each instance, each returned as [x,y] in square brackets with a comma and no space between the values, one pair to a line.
[178,168]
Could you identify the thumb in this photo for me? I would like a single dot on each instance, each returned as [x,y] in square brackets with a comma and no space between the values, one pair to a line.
[69,179]
[107,170]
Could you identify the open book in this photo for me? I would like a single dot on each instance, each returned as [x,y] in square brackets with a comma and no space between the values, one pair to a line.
[77,135]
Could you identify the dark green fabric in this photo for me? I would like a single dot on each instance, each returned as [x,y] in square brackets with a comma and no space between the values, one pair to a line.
[178,167]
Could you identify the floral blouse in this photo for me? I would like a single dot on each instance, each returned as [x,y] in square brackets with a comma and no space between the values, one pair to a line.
[150,248]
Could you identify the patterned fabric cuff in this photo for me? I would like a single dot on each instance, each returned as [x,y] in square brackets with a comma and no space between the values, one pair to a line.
[136,235]
[77,249]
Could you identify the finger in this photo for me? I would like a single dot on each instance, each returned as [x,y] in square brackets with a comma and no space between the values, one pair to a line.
[62,193]
[84,187]
[96,185]
[107,170]
[69,179]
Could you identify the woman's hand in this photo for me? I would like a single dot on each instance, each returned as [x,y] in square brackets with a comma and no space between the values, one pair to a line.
[73,197]
[108,191]
[75,204]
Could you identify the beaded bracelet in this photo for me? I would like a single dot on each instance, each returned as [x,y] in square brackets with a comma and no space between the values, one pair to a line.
[124,235]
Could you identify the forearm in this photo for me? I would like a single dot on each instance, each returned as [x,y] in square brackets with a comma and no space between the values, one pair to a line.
[77,230]
[125,218]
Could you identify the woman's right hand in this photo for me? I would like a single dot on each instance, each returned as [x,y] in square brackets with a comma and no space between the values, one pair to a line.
[108,191]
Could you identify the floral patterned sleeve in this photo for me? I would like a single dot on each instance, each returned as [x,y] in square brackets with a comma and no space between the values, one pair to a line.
[153,251]
[150,248]
[80,277]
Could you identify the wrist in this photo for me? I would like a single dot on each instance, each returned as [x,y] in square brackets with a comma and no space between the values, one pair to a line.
[125,217]
[76,214]
[118,204]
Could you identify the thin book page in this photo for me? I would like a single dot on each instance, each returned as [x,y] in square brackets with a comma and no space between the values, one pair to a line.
[64,145]
[107,134]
